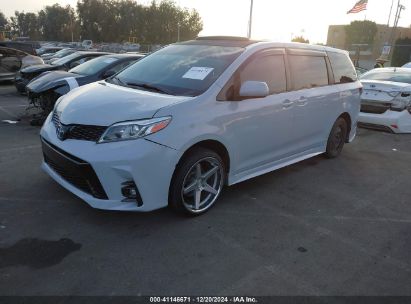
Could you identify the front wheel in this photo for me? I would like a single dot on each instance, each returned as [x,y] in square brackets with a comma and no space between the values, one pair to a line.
[336,139]
[197,182]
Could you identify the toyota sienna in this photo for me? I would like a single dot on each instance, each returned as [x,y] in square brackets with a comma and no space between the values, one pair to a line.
[178,125]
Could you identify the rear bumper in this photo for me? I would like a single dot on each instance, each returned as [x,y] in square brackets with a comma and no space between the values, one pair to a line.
[396,122]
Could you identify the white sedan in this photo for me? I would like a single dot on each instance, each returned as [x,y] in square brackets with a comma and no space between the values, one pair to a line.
[386,100]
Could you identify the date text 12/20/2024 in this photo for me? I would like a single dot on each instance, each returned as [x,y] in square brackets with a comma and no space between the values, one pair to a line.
[203,300]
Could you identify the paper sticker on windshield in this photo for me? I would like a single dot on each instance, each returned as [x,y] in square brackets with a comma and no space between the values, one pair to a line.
[198,73]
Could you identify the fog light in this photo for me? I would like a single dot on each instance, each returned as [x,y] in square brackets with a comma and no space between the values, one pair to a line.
[130,192]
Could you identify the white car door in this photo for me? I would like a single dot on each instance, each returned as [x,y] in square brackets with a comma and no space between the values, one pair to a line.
[259,130]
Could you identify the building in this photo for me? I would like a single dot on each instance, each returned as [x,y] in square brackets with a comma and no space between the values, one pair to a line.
[365,54]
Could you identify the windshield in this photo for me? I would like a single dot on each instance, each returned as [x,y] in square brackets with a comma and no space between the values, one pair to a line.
[391,75]
[65,59]
[93,66]
[62,53]
[187,70]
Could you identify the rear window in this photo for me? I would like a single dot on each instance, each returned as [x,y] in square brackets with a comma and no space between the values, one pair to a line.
[388,75]
[308,71]
[342,67]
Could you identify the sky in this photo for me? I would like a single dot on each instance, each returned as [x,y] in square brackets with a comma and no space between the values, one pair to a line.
[278,20]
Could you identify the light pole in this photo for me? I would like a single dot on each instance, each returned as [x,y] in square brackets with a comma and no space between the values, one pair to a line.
[250,21]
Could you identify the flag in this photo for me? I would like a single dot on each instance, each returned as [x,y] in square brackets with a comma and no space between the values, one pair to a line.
[359,7]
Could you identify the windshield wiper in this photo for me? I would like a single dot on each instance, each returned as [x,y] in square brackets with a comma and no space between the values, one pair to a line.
[149,87]
[119,81]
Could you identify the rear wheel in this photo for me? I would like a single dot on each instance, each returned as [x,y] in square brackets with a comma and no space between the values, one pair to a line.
[336,139]
[197,182]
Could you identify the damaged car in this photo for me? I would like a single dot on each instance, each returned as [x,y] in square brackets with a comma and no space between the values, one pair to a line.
[47,88]
[386,100]
[68,62]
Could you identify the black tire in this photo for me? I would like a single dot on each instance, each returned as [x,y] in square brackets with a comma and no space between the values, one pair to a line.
[184,177]
[336,139]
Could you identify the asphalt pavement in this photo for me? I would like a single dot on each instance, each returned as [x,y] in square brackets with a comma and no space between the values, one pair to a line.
[320,227]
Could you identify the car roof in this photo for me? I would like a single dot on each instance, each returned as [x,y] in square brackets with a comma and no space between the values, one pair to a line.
[392,69]
[92,52]
[233,41]
[11,49]
[120,56]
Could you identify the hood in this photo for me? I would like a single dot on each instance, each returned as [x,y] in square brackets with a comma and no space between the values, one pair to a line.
[50,80]
[39,68]
[31,60]
[384,91]
[102,104]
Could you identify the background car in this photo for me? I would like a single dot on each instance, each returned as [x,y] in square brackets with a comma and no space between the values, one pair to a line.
[407,65]
[47,88]
[49,58]
[48,50]
[28,46]
[12,60]
[360,71]
[68,62]
[386,100]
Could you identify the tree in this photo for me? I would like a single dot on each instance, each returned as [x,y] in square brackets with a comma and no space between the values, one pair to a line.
[360,32]
[116,21]
[3,21]
[25,25]
[300,39]
[402,52]
[57,23]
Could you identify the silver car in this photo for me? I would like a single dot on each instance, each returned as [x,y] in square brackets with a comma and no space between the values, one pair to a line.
[175,127]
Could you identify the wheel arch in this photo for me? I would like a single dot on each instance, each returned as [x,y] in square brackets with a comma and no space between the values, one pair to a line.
[346,116]
[213,145]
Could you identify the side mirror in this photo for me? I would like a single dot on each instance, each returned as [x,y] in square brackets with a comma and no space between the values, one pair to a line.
[254,89]
[108,74]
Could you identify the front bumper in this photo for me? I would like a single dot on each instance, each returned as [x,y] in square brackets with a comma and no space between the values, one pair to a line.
[396,122]
[149,165]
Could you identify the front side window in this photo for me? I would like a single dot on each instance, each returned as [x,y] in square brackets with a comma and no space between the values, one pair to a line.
[269,69]
[342,67]
[180,69]
[308,71]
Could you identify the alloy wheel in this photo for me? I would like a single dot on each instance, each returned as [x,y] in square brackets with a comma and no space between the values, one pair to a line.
[202,185]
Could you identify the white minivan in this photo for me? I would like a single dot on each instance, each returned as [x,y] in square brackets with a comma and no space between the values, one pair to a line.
[178,125]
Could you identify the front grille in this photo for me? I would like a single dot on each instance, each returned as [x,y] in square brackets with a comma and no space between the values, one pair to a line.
[79,132]
[75,171]
[375,108]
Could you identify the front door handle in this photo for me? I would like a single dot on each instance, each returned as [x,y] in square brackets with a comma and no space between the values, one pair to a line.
[287,103]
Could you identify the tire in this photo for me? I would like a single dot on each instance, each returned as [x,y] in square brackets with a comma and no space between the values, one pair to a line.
[197,182]
[336,139]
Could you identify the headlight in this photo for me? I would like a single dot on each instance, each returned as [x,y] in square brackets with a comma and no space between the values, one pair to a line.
[134,129]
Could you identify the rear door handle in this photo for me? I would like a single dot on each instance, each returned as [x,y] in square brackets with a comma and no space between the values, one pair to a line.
[287,103]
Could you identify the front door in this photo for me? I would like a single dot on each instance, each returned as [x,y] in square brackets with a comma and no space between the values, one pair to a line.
[260,131]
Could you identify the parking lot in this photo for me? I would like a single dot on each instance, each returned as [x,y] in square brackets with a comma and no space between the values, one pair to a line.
[320,227]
